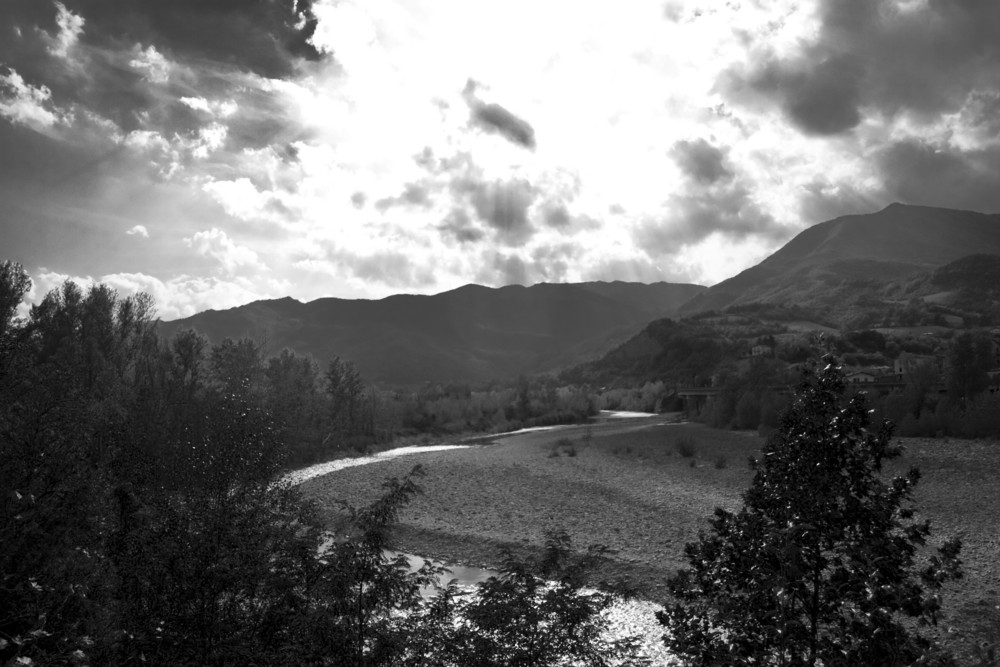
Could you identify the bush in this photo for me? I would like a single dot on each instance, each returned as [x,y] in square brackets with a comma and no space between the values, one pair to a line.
[535,612]
[686,447]
[564,446]
[819,566]
[721,462]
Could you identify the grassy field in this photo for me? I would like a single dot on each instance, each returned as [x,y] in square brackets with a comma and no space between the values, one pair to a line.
[645,488]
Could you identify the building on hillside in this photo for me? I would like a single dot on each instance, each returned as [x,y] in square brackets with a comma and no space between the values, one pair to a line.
[860,377]
[762,350]
[907,362]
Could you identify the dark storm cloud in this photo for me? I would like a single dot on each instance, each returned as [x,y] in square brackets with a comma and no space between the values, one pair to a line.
[459,226]
[820,98]
[919,173]
[495,118]
[701,161]
[872,56]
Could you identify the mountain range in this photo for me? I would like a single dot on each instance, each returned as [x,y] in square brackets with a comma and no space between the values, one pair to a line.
[855,271]
[472,334]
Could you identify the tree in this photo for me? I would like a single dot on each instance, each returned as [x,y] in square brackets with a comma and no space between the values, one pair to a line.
[819,566]
[14,284]
[537,612]
[345,388]
[969,357]
[238,366]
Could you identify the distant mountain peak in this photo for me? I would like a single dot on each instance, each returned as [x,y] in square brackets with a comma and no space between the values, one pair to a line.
[900,240]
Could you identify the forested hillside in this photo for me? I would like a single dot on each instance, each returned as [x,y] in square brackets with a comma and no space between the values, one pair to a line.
[473,334]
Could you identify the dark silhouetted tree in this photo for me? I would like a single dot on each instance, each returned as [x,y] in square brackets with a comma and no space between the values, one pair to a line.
[820,564]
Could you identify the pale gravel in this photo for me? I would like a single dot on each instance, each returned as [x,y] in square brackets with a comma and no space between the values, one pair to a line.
[624,618]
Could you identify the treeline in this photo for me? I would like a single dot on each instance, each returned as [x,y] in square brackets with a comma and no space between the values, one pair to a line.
[963,401]
[142,520]
[960,401]
[444,409]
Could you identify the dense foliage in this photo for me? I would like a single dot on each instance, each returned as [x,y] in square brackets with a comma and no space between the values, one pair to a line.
[142,520]
[819,566]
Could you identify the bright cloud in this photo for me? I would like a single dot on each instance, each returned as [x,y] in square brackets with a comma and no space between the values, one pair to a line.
[23,103]
[216,244]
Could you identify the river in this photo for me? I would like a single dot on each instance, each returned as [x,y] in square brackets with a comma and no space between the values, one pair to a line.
[626,617]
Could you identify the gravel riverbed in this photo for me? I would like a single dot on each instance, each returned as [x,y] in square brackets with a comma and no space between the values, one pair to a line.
[625,484]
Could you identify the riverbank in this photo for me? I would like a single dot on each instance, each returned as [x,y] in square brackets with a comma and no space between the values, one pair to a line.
[627,487]
[630,486]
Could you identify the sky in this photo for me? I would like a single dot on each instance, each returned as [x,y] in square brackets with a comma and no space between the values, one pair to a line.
[215,152]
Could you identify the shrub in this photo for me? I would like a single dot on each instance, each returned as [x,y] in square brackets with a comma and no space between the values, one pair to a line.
[535,612]
[565,446]
[721,462]
[686,447]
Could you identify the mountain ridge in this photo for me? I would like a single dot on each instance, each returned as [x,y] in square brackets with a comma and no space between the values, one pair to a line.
[470,334]
[890,244]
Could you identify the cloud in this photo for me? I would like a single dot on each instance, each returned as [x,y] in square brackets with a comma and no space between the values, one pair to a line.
[216,244]
[701,161]
[509,270]
[24,103]
[712,199]
[263,37]
[241,199]
[391,268]
[821,97]
[503,206]
[632,269]
[458,226]
[825,199]
[919,172]
[358,199]
[414,194]
[495,118]
[695,215]
[70,27]
[138,230]
[387,267]
[875,58]
[557,216]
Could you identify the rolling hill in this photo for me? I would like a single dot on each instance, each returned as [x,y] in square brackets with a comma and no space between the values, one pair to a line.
[828,267]
[472,334]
